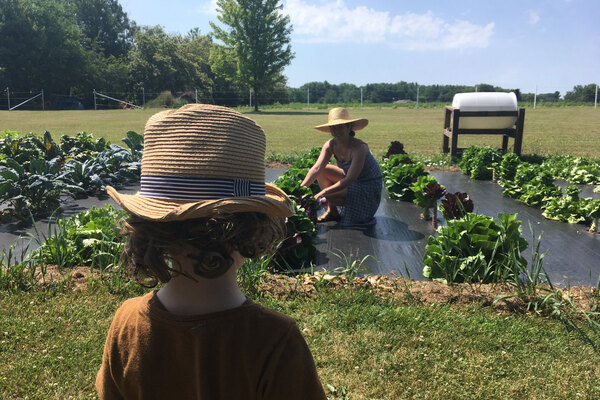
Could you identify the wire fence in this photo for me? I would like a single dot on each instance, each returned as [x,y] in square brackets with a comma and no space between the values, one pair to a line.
[109,100]
[142,98]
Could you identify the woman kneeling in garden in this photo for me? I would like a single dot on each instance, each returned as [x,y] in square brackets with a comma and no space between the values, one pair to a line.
[356,182]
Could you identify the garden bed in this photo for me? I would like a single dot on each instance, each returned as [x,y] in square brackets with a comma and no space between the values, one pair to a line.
[400,236]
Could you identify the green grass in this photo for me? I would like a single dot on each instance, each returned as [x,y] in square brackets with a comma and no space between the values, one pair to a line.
[548,130]
[364,344]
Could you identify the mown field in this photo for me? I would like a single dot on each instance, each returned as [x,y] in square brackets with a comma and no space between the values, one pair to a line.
[569,130]
[366,346]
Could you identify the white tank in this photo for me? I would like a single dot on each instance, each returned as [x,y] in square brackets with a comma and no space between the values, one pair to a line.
[485,101]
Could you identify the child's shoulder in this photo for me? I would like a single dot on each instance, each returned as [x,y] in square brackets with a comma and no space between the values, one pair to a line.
[264,314]
[133,306]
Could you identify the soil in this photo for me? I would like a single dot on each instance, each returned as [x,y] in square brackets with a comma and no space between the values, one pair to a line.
[402,290]
[427,293]
[277,165]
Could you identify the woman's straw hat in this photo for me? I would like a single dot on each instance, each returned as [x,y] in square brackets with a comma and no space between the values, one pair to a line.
[339,116]
[202,160]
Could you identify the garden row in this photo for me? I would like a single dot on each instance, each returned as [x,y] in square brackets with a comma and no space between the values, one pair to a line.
[468,247]
[531,180]
[36,172]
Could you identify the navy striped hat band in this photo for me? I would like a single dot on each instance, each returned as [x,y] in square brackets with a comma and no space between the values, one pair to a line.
[195,188]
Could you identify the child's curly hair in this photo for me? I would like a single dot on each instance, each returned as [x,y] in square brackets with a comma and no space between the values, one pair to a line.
[150,244]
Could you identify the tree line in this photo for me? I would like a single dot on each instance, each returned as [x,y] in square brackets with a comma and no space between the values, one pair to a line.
[71,47]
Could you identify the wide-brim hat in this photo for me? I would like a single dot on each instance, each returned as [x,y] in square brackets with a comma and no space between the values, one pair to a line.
[339,116]
[201,160]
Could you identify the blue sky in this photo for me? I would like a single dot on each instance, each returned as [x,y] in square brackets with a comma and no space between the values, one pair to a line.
[554,44]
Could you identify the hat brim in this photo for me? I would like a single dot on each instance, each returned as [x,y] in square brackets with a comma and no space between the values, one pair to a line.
[357,124]
[275,203]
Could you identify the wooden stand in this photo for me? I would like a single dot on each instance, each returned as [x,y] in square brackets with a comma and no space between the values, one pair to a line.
[450,136]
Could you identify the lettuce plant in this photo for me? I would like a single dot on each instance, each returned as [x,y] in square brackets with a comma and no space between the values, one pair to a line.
[593,210]
[455,206]
[568,208]
[476,248]
[477,161]
[420,198]
[399,172]
[427,192]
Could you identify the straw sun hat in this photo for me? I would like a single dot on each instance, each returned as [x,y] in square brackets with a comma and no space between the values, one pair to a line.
[202,160]
[339,116]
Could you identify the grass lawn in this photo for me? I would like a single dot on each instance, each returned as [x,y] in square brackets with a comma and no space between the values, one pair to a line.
[366,346]
[548,130]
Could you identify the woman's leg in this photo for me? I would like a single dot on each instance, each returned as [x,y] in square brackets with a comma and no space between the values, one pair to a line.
[330,175]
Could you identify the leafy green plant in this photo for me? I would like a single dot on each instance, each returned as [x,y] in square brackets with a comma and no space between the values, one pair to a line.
[351,267]
[119,165]
[83,175]
[426,189]
[399,172]
[508,167]
[82,147]
[475,248]
[91,237]
[532,184]
[568,208]
[308,160]
[298,249]
[394,147]
[593,210]
[578,170]
[23,149]
[17,272]
[477,161]
[135,143]
[455,206]
[31,190]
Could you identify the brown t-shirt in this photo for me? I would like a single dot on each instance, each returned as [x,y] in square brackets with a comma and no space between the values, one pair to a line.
[249,352]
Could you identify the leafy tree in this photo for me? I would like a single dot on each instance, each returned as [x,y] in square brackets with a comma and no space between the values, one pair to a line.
[159,61]
[255,41]
[40,45]
[581,93]
[105,24]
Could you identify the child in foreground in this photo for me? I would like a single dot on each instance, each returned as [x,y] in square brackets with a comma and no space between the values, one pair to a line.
[202,209]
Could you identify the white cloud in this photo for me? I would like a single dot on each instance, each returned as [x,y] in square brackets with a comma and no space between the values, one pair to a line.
[332,21]
[533,17]
[208,7]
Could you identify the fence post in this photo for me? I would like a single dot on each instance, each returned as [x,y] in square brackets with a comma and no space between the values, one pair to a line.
[361,99]
[417,97]
[95,107]
[43,105]
[8,97]
[307,99]
[196,90]
[143,98]
[535,97]
[596,98]
[250,96]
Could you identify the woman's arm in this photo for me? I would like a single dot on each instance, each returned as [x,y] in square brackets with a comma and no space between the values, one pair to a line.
[322,161]
[358,161]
